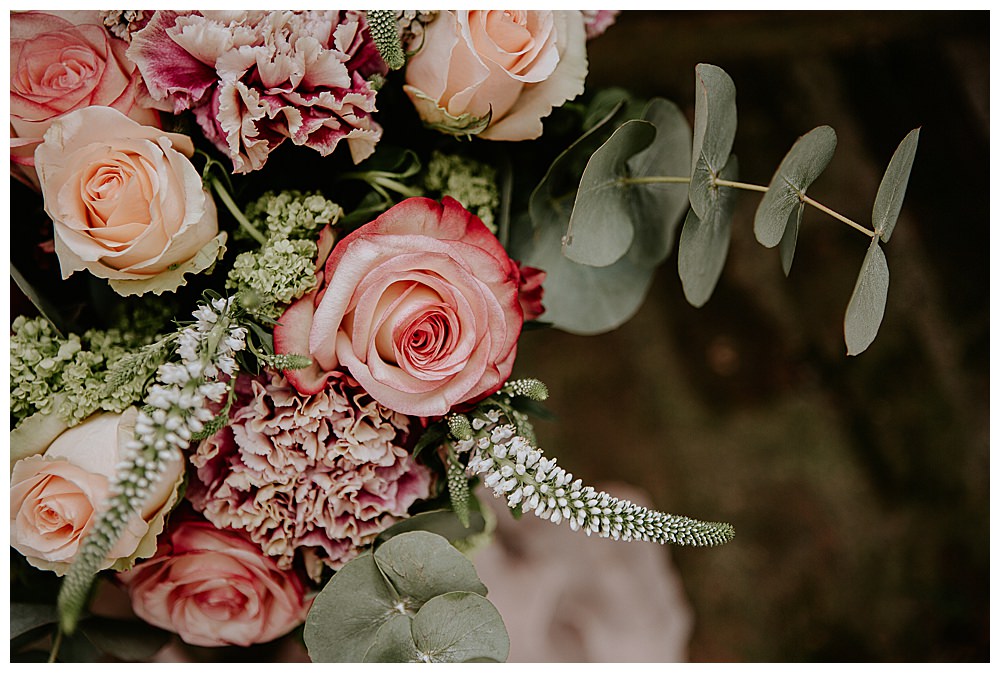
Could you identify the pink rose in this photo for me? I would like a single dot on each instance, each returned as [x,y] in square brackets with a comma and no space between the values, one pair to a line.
[214,587]
[55,496]
[57,67]
[125,201]
[420,306]
[509,67]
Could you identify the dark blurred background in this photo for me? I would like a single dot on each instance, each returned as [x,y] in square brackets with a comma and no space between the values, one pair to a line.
[858,486]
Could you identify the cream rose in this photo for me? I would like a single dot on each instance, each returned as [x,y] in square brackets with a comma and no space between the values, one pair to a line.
[56,495]
[59,65]
[510,67]
[125,200]
[215,587]
[420,306]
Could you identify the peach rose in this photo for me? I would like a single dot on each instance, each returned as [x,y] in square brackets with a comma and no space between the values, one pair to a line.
[420,306]
[215,587]
[505,67]
[55,496]
[125,200]
[59,65]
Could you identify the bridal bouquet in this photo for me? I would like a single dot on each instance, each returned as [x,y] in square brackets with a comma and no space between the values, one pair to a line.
[272,270]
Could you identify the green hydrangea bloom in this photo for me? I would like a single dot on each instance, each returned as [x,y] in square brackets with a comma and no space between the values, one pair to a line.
[470,182]
[278,273]
[43,364]
[291,214]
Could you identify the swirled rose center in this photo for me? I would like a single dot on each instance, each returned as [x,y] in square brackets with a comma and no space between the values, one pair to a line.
[117,193]
[222,602]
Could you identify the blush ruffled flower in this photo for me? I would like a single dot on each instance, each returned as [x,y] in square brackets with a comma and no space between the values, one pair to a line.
[255,78]
[321,475]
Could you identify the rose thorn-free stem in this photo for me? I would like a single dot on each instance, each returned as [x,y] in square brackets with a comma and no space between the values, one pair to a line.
[235,211]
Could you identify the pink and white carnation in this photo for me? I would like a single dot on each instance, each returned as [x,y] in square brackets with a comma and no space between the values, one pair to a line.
[318,476]
[257,78]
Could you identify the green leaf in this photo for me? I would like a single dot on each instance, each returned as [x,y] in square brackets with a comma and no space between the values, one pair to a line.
[600,227]
[867,305]
[581,299]
[422,565]
[126,639]
[807,159]
[27,616]
[460,626]
[657,209]
[704,243]
[889,200]
[714,133]
[443,522]
[406,572]
[173,278]
[394,642]
[347,614]
[786,248]
[432,436]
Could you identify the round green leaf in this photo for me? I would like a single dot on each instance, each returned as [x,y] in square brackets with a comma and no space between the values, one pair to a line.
[807,159]
[704,242]
[786,248]
[714,133]
[657,208]
[889,200]
[444,522]
[394,643]
[346,615]
[421,565]
[581,299]
[867,305]
[460,626]
[600,227]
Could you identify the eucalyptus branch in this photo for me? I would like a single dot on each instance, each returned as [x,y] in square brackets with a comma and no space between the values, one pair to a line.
[746,186]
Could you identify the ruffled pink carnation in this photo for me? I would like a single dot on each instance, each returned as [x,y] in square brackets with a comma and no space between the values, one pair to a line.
[596,21]
[321,474]
[256,78]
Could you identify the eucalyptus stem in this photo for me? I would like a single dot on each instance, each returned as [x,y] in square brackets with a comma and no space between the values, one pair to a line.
[719,182]
[236,212]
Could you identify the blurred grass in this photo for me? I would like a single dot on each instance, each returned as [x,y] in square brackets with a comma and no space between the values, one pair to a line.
[859,487]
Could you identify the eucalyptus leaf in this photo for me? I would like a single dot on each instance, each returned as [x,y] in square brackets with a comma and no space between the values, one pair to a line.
[786,248]
[443,522]
[807,159]
[704,243]
[867,305]
[347,614]
[600,227]
[581,299]
[658,208]
[421,565]
[714,133]
[25,617]
[552,200]
[889,200]
[460,626]
[394,642]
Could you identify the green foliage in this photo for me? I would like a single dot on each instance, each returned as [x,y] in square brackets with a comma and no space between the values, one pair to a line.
[385,35]
[443,522]
[291,214]
[415,598]
[892,189]
[714,133]
[782,205]
[867,304]
[704,244]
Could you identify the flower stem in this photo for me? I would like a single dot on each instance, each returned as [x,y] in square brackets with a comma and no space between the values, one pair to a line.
[834,214]
[56,643]
[236,212]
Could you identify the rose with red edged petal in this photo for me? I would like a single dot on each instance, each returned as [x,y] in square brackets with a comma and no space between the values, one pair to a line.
[420,306]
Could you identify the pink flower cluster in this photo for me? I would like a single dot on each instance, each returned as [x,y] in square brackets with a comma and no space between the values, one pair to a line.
[256,78]
[314,476]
